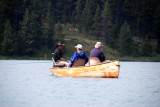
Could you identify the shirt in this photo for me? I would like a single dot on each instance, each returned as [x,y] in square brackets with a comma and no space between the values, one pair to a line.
[57,54]
[78,55]
[97,53]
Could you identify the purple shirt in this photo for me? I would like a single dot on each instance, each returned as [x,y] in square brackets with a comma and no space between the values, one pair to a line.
[97,53]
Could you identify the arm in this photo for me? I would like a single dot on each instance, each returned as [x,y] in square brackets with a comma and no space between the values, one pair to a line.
[62,59]
[61,56]
[72,59]
[102,57]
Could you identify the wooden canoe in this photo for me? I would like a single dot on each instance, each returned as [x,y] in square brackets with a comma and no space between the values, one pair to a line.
[108,69]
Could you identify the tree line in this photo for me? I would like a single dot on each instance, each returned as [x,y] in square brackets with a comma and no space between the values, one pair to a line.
[129,26]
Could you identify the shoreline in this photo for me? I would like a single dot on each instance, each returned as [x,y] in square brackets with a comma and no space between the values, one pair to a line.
[128,59]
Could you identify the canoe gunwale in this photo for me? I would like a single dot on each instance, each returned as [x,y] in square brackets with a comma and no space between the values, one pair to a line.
[88,66]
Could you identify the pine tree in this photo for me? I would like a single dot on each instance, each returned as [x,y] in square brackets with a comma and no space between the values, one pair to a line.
[107,25]
[157,26]
[125,40]
[88,14]
[25,36]
[146,47]
[36,22]
[49,27]
[7,43]
[97,23]
[78,14]
[59,10]
[30,33]
[59,36]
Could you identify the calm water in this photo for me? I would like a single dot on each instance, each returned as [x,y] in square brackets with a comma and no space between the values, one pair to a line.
[28,83]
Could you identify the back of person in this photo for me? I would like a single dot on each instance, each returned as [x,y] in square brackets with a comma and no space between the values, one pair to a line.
[57,54]
[78,55]
[96,52]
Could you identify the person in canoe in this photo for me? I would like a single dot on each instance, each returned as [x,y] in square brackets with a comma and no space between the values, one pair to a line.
[79,54]
[58,56]
[97,52]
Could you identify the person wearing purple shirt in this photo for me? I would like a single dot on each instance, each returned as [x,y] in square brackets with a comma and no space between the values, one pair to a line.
[96,52]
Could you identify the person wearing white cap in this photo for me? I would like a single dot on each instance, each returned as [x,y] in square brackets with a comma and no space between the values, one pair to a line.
[96,52]
[79,54]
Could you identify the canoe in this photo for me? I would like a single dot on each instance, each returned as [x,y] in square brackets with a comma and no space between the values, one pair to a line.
[108,69]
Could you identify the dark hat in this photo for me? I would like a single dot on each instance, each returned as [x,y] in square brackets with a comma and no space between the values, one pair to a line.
[59,44]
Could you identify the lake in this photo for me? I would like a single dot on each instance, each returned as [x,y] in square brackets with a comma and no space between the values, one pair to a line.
[29,83]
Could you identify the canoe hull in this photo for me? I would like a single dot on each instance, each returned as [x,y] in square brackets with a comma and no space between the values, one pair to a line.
[104,70]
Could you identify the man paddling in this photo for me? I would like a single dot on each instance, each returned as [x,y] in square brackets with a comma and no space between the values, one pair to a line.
[58,56]
[96,52]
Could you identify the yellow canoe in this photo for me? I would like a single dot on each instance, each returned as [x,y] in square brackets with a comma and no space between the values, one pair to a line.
[108,69]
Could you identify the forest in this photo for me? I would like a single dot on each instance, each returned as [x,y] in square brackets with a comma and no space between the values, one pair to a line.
[132,27]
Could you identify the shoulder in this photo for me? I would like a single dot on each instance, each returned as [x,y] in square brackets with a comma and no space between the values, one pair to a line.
[96,50]
[84,53]
[75,53]
[93,49]
[56,50]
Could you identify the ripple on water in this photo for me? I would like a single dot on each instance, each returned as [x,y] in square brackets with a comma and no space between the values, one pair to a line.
[30,83]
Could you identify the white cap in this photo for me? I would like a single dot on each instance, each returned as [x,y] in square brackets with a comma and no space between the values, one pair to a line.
[98,44]
[79,46]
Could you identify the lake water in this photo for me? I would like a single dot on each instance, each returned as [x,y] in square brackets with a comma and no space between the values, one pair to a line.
[29,83]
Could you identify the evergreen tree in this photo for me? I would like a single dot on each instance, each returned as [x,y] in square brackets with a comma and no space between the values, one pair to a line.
[36,22]
[30,24]
[25,36]
[97,23]
[118,18]
[88,14]
[60,10]
[78,16]
[146,48]
[7,43]
[157,26]
[49,27]
[125,40]
[30,33]
[59,36]
[107,24]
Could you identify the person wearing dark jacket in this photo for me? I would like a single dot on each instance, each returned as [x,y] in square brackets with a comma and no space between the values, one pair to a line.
[96,52]
[78,55]
[58,57]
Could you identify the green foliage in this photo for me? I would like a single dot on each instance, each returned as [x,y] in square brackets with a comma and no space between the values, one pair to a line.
[78,10]
[157,26]
[48,27]
[26,36]
[27,27]
[7,43]
[59,36]
[146,48]
[97,23]
[125,40]
[107,25]
[88,14]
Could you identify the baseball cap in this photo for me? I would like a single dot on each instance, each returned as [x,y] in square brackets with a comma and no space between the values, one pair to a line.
[79,46]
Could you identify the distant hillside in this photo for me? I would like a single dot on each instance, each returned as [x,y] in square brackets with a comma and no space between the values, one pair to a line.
[72,38]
